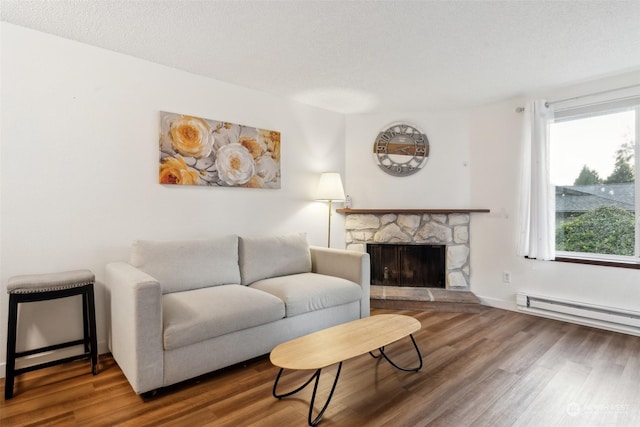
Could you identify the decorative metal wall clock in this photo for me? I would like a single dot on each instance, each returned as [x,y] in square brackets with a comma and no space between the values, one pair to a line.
[401,149]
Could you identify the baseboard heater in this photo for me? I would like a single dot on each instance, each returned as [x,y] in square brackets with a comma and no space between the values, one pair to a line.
[609,318]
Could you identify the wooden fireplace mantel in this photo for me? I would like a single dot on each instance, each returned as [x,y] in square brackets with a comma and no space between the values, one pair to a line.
[410,211]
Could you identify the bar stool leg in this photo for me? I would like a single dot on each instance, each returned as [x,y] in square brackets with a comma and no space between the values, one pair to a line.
[85,321]
[91,308]
[11,347]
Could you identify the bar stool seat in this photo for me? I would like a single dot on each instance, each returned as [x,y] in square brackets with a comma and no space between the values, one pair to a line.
[42,287]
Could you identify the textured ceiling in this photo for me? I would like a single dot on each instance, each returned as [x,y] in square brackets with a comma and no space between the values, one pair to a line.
[361,56]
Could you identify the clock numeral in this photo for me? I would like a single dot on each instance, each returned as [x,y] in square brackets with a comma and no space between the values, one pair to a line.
[387,136]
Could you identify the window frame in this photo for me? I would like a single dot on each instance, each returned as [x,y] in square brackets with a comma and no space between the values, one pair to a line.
[593,109]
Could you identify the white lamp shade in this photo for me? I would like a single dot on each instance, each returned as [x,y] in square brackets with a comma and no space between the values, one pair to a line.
[330,187]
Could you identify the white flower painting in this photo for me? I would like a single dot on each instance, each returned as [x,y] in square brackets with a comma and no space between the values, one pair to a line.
[196,151]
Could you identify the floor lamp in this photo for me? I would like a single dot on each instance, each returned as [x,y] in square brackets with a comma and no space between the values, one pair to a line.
[330,189]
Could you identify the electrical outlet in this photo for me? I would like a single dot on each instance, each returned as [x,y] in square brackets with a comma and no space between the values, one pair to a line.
[506,276]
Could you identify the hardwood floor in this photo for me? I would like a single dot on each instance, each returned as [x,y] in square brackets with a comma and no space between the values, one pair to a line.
[495,368]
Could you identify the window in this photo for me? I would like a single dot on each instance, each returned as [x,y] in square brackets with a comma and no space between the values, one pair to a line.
[594,168]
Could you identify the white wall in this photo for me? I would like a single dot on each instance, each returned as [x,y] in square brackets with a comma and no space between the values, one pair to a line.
[495,149]
[442,183]
[79,167]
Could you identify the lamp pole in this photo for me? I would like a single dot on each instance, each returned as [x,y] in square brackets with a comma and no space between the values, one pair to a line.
[330,189]
[329,228]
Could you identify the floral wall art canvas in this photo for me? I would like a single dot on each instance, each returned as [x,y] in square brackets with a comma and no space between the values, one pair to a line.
[197,151]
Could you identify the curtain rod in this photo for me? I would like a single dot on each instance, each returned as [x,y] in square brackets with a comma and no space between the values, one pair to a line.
[548,103]
[591,94]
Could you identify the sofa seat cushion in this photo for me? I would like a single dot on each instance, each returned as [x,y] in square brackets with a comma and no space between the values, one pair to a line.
[306,292]
[200,314]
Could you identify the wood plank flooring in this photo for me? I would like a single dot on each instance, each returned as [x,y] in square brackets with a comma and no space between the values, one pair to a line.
[494,368]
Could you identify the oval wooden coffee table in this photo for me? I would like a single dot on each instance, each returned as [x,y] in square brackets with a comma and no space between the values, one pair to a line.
[339,343]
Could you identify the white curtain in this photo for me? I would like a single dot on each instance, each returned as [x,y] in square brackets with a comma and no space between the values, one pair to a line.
[537,204]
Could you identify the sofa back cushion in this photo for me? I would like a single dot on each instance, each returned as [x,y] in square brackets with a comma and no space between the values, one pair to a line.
[266,257]
[181,265]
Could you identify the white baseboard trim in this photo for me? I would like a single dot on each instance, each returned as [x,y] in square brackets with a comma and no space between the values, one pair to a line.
[498,303]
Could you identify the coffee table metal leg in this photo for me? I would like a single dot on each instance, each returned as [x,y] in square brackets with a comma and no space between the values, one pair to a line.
[316,375]
[280,396]
[383,354]
[313,397]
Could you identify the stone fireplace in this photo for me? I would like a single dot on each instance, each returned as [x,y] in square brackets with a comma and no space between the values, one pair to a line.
[416,227]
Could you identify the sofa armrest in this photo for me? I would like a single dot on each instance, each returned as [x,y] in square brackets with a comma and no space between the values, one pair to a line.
[136,325]
[350,265]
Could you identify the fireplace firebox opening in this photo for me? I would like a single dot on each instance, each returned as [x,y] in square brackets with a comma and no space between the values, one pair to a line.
[411,265]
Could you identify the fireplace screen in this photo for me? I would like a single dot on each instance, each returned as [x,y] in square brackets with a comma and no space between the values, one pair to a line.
[407,265]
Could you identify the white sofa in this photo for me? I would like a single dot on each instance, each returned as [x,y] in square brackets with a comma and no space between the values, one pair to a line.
[180,309]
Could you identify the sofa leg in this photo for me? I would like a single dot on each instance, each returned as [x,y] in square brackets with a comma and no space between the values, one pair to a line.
[148,395]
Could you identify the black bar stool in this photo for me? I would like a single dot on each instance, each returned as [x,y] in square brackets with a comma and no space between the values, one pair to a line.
[41,287]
